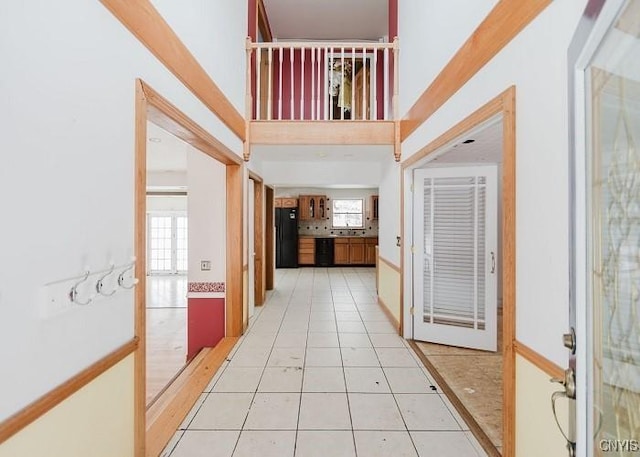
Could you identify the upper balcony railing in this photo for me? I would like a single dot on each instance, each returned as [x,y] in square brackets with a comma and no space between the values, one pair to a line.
[322,81]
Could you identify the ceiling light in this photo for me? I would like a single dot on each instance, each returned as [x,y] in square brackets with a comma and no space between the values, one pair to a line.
[155,140]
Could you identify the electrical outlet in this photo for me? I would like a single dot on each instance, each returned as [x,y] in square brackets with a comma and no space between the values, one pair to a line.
[205,265]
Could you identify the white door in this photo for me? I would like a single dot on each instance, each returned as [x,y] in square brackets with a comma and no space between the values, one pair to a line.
[251,300]
[454,263]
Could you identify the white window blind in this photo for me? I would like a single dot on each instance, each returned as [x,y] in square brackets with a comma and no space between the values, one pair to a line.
[454,251]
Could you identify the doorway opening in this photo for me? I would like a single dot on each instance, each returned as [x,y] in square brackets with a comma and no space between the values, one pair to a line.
[166,258]
[155,426]
[459,270]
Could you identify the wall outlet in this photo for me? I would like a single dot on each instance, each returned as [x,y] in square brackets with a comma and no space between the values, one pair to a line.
[205,265]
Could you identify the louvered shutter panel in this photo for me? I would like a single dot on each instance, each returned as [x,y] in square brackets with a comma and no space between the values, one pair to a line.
[454,251]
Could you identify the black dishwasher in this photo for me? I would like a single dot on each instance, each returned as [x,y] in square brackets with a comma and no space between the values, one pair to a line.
[324,252]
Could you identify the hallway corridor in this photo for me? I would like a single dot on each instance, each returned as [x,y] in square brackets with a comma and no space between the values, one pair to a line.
[322,372]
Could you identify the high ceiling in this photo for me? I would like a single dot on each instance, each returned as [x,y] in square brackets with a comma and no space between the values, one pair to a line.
[485,148]
[328,19]
[165,152]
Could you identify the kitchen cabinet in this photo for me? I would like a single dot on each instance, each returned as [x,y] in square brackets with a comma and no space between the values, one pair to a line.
[373,205]
[341,251]
[286,202]
[303,209]
[306,251]
[370,251]
[313,207]
[356,251]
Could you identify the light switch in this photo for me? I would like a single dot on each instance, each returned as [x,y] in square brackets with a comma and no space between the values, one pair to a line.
[205,265]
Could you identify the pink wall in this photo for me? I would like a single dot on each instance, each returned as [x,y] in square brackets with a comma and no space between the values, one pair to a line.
[205,324]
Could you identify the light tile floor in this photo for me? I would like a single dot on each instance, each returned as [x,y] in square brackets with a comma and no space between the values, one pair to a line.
[321,373]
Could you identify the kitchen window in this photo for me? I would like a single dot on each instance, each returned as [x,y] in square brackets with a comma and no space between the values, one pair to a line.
[348,213]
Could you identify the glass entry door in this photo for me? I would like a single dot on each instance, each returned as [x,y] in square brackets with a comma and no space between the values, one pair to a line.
[167,244]
[612,224]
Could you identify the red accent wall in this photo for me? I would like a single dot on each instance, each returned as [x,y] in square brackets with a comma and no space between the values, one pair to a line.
[205,323]
[252,20]
[393,19]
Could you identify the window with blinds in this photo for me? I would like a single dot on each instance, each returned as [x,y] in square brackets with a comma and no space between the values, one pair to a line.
[454,251]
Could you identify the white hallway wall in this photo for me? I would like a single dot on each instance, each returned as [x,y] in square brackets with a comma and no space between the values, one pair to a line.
[535,62]
[207,216]
[68,88]
[320,174]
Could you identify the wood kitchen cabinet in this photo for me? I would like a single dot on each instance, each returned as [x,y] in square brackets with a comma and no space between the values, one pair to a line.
[370,251]
[373,205]
[303,209]
[286,202]
[313,207]
[356,251]
[306,251]
[341,251]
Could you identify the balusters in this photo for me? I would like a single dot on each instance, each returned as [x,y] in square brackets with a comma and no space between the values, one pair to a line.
[374,86]
[341,91]
[280,91]
[386,84]
[302,85]
[329,57]
[353,84]
[319,80]
[313,83]
[328,69]
[270,88]
[258,82]
[291,94]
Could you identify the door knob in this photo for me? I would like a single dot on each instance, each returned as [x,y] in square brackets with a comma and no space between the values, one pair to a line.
[569,382]
[569,340]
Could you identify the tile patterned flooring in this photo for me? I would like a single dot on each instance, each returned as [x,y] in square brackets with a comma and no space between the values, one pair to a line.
[321,372]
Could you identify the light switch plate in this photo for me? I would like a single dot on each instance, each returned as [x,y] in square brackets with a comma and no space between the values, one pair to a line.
[205,265]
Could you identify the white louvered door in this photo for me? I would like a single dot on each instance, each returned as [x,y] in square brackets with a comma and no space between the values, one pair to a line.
[455,256]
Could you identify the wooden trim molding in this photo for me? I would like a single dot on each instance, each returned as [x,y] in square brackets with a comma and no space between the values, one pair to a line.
[323,132]
[474,427]
[235,268]
[150,28]
[388,313]
[166,115]
[505,21]
[269,263]
[172,406]
[140,249]
[538,360]
[390,264]
[47,402]
[503,104]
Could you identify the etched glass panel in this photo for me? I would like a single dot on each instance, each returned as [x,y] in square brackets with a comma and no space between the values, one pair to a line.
[614,194]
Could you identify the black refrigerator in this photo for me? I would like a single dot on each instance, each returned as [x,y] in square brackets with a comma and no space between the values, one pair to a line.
[286,238]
